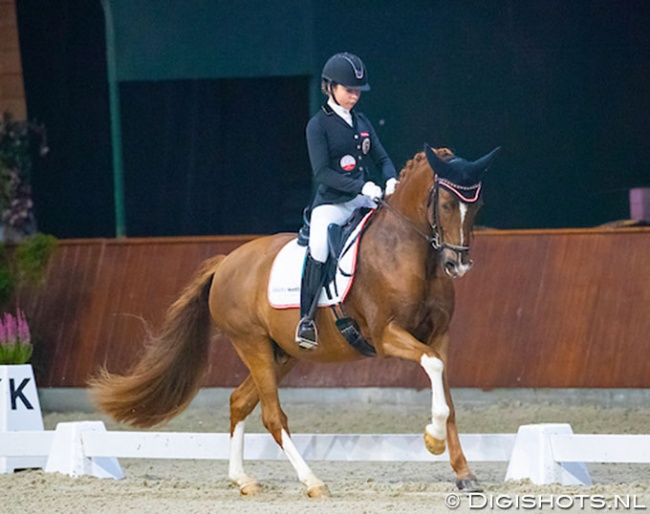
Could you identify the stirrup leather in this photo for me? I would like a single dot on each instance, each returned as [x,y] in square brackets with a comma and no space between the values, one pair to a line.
[307,334]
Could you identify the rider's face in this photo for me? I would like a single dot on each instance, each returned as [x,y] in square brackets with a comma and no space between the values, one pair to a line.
[347,97]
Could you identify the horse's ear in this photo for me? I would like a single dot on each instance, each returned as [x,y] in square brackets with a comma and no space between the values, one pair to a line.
[437,164]
[480,166]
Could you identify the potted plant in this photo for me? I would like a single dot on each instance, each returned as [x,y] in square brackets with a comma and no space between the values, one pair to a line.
[15,339]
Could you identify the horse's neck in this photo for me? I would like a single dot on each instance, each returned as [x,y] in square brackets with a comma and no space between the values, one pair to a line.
[398,244]
[400,231]
[410,203]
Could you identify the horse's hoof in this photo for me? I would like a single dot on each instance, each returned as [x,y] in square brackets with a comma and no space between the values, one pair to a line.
[250,489]
[469,485]
[318,491]
[435,446]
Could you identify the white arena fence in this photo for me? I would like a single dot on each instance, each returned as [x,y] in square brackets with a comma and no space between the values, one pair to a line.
[542,453]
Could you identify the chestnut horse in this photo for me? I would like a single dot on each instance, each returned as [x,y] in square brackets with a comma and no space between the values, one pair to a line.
[402,298]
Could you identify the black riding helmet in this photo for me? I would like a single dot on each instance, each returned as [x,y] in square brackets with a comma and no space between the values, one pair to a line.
[346,69]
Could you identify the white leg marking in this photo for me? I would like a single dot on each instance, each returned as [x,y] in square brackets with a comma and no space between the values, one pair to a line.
[236,463]
[463,212]
[439,408]
[305,474]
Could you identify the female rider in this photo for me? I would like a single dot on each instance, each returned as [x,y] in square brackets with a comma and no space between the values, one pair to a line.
[340,142]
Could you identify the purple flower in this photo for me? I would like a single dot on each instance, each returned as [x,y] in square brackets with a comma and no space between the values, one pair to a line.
[11,328]
[14,330]
[3,334]
[24,335]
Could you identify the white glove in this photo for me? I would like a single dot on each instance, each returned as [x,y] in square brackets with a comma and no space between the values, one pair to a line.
[371,190]
[390,186]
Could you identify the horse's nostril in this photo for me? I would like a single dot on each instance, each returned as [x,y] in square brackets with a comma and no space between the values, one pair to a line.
[451,268]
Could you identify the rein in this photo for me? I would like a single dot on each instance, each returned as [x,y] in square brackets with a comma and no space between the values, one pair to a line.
[432,240]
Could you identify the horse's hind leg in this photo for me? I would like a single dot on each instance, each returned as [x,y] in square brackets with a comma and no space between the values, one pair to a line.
[259,358]
[242,402]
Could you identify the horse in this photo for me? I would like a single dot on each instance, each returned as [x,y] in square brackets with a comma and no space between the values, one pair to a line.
[402,298]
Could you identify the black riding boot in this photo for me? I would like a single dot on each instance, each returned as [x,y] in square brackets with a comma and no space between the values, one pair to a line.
[310,286]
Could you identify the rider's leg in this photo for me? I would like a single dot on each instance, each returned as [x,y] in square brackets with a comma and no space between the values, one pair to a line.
[312,277]
[323,216]
[306,333]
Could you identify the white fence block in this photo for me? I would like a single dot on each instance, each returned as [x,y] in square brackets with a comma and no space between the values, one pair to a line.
[67,454]
[532,457]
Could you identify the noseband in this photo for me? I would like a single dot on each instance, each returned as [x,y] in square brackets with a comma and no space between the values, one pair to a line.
[437,237]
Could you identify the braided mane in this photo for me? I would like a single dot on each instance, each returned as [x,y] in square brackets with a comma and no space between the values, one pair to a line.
[443,153]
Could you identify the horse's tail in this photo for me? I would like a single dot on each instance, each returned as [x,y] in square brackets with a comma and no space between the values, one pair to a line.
[168,375]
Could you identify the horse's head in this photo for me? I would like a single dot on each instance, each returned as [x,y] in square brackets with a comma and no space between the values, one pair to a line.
[454,200]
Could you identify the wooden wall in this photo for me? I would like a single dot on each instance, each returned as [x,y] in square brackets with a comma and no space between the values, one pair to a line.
[12,93]
[539,309]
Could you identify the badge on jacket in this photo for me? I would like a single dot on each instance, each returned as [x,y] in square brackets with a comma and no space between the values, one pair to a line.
[347,162]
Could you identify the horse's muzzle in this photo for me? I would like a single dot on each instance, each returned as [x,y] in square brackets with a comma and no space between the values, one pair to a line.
[455,264]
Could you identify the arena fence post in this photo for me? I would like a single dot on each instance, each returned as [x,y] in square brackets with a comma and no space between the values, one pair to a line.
[532,457]
[67,454]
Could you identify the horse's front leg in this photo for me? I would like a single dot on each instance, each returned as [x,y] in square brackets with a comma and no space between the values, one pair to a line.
[465,478]
[397,342]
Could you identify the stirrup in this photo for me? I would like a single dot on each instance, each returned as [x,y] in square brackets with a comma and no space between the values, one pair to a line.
[307,334]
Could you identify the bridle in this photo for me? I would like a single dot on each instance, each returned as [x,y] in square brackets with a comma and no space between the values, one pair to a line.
[437,237]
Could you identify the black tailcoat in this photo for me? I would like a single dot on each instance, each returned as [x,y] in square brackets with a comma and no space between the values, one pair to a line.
[339,155]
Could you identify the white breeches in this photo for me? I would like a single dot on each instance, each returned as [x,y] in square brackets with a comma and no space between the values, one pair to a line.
[323,215]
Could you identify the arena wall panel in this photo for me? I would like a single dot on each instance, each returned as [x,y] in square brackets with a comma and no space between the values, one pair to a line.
[553,308]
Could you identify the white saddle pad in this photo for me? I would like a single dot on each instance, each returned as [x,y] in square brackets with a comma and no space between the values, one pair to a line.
[286,274]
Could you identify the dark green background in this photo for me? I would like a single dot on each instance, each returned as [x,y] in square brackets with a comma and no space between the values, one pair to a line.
[216,95]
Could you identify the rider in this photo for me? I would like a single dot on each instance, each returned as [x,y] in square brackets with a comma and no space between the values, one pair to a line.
[340,142]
